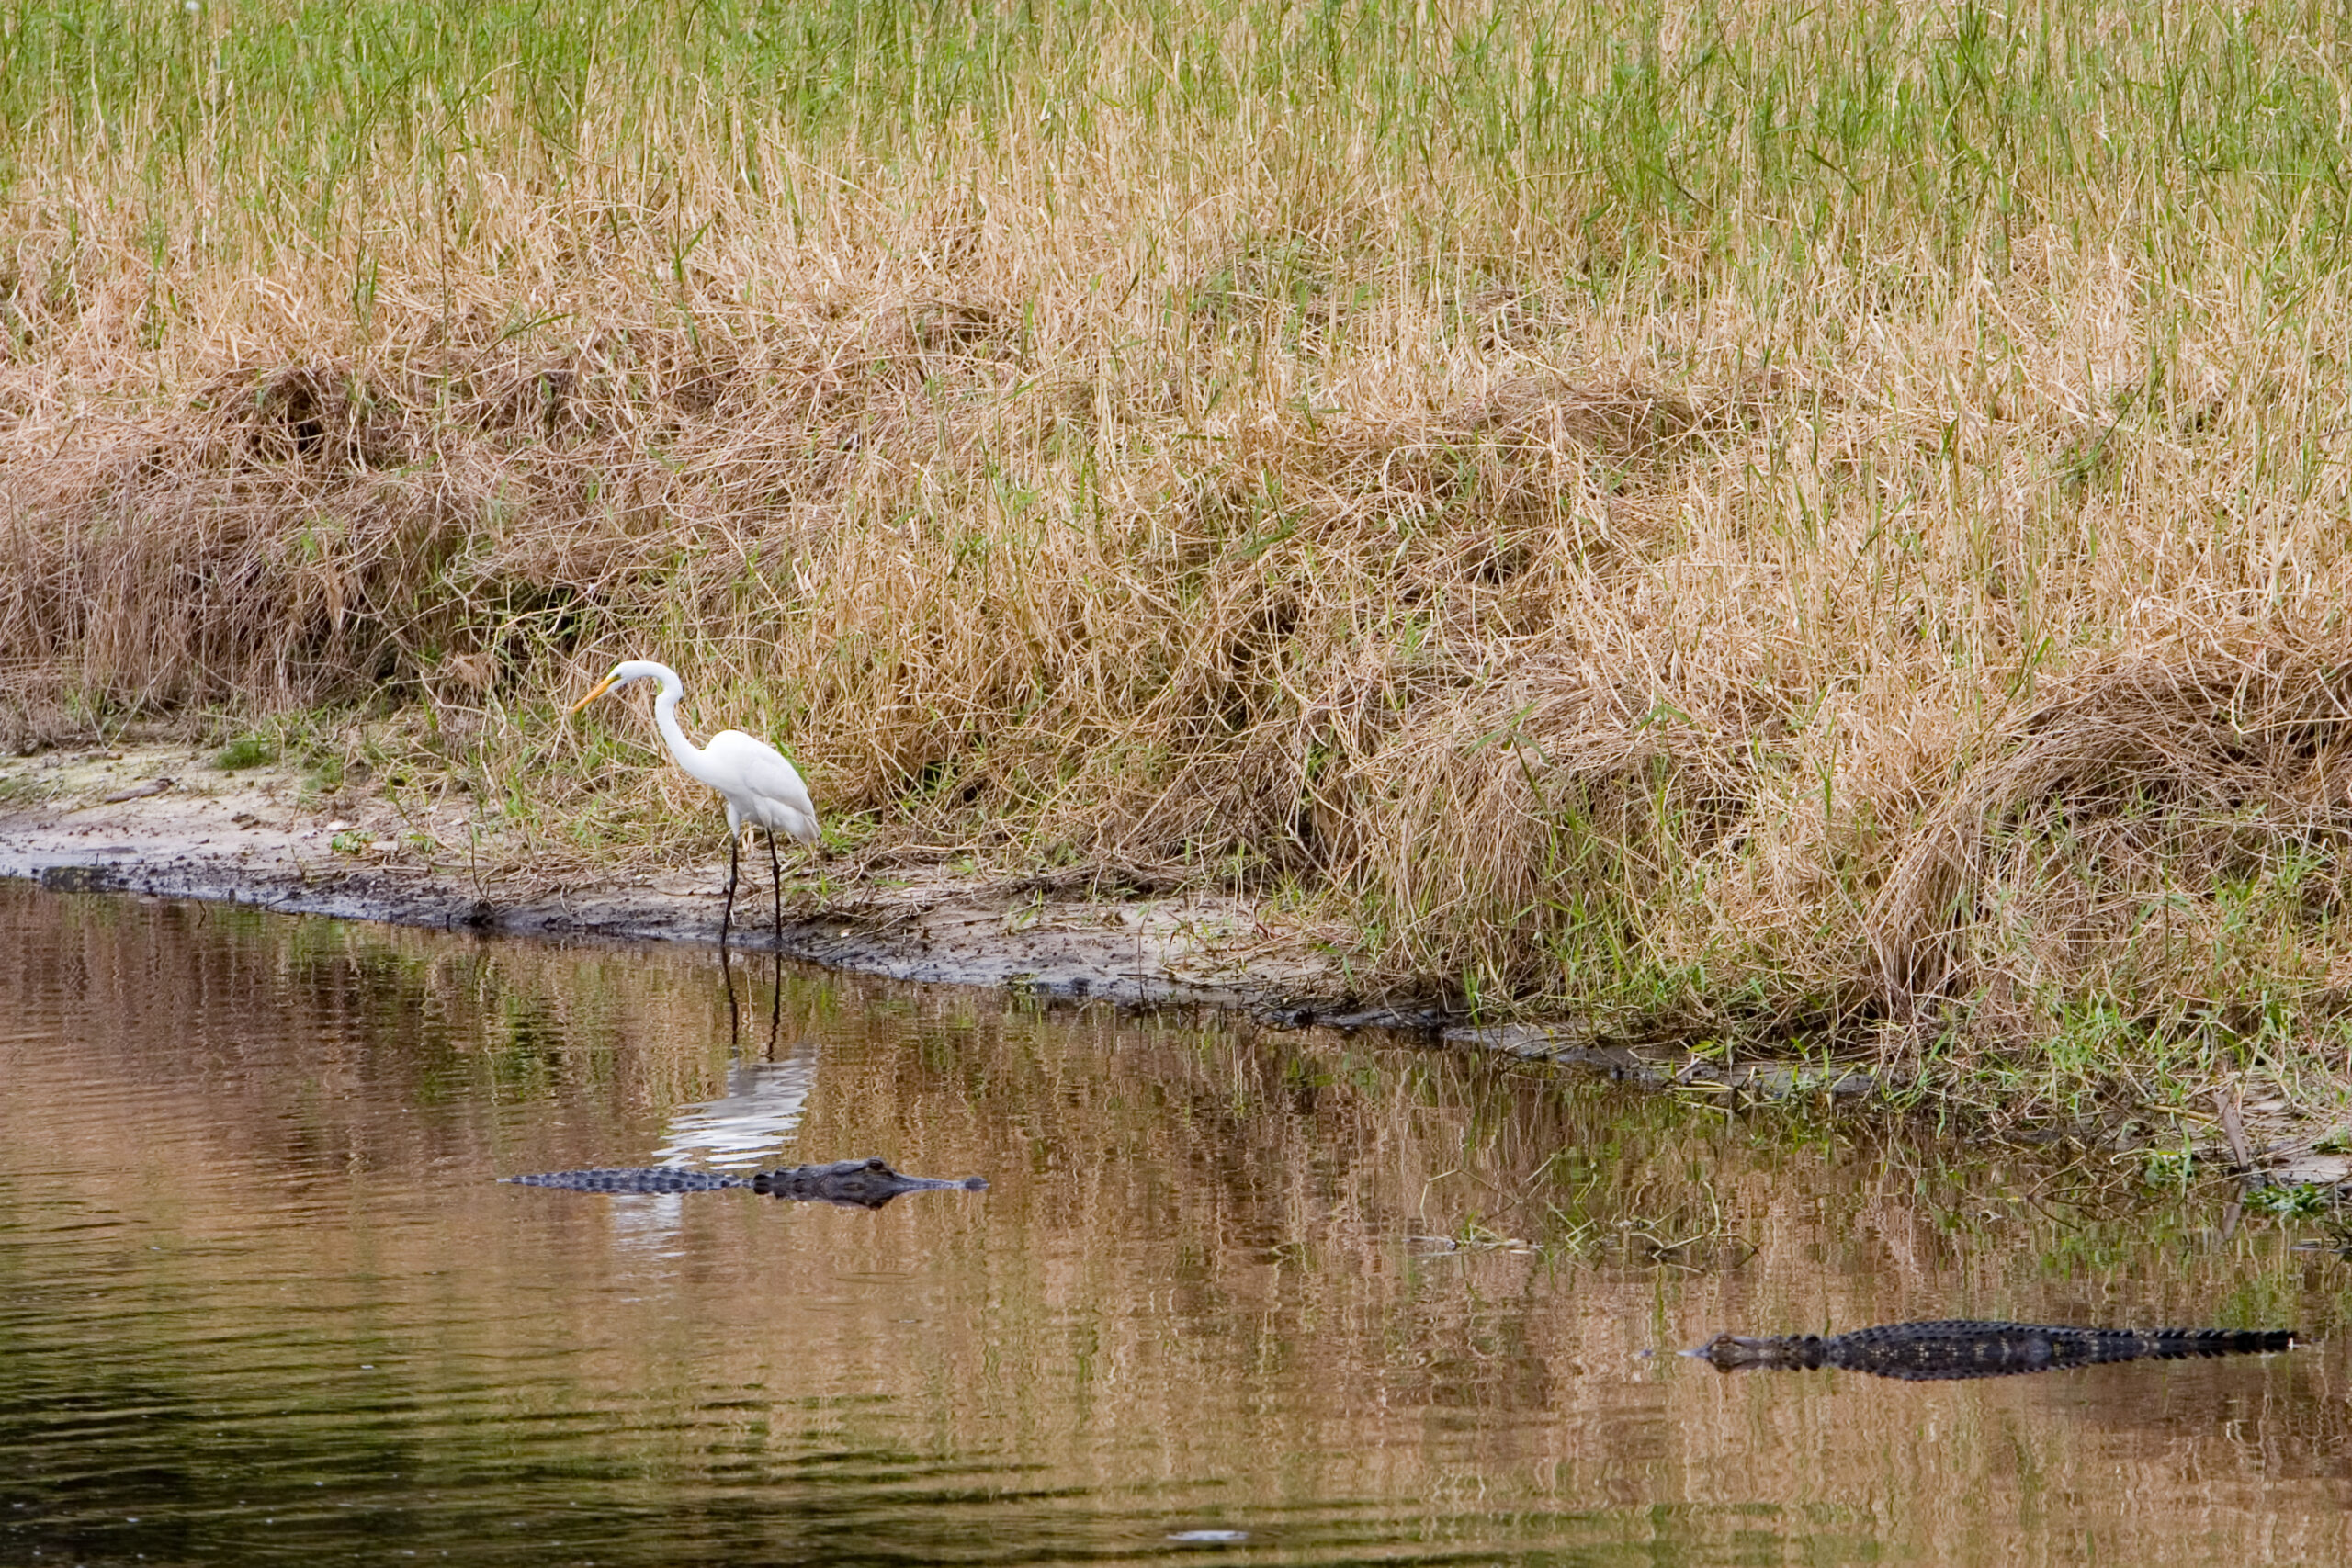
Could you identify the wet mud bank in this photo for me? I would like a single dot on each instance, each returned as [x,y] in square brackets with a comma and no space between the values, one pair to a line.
[162,822]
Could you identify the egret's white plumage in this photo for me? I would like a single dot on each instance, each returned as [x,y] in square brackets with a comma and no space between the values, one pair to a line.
[760,788]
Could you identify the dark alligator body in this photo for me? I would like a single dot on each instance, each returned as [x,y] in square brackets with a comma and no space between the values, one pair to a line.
[1964,1347]
[855,1183]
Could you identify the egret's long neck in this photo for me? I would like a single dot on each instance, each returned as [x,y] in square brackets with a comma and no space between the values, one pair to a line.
[665,719]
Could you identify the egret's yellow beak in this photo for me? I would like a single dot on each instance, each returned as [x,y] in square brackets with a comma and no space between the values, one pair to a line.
[602,687]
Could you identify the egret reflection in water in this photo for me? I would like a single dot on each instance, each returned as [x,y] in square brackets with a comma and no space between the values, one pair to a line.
[747,1126]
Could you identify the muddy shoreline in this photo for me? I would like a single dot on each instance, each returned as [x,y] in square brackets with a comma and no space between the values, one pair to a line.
[162,822]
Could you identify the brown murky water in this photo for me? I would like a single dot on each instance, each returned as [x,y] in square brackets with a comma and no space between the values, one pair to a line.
[261,1298]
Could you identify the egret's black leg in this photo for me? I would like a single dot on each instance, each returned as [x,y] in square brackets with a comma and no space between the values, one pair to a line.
[734,843]
[775,1001]
[734,1019]
[776,880]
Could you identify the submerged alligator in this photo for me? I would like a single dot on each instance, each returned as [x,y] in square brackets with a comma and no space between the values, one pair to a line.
[1964,1347]
[858,1183]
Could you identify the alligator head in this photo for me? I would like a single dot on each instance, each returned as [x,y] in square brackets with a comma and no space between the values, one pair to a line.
[859,1183]
[1731,1352]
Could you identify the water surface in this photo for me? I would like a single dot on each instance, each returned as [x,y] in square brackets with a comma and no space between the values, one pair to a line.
[1232,1296]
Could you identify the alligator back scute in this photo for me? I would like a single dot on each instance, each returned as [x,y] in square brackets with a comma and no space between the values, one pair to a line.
[632,1179]
[853,1183]
[1966,1348]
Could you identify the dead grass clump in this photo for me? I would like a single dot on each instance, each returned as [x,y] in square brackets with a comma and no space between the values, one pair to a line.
[2169,837]
[1538,834]
[1633,422]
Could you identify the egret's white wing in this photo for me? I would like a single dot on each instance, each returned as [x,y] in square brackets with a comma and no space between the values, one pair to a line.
[763,787]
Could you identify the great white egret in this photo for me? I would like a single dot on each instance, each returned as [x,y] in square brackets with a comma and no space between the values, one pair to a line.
[762,789]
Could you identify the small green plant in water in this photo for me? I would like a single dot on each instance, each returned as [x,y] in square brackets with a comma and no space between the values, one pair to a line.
[2294,1200]
[2168,1167]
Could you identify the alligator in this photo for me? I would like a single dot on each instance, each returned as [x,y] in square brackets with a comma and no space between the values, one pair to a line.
[1963,1348]
[853,1183]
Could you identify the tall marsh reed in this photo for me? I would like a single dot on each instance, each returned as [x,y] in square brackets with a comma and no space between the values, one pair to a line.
[1768,516]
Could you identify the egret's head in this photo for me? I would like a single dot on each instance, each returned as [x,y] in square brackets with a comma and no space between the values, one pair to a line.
[607,685]
[622,673]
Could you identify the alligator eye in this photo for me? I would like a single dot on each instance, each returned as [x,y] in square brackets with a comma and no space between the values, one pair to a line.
[877,1163]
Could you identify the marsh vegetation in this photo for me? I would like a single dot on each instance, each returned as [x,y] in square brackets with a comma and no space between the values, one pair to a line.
[1763,519]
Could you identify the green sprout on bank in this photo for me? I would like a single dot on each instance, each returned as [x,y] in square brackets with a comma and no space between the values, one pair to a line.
[245,751]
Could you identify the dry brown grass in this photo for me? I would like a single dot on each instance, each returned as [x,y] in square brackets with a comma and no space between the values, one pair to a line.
[1881,625]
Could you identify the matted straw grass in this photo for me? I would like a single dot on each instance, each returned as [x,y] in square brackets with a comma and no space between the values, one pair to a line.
[1771,521]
